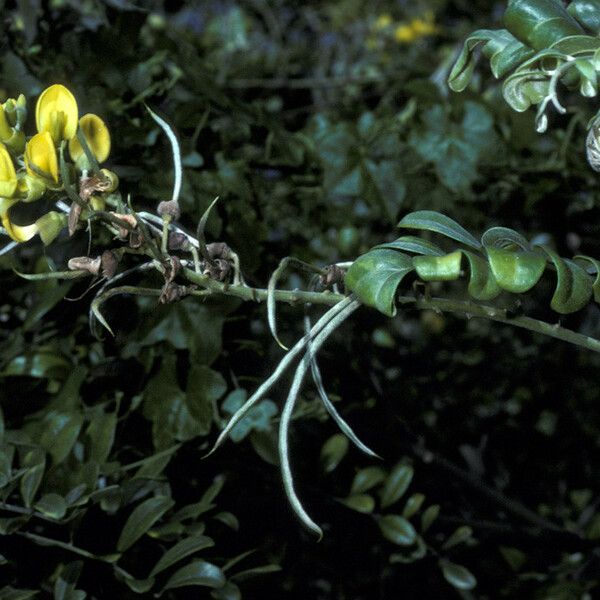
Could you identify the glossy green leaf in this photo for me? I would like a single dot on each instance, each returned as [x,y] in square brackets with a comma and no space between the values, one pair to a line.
[428,220]
[139,586]
[540,23]
[438,268]
[500,46]
[396,484]
[35,463]
[457,575]
[577,44]
[524,88]
[101,433]
[366,479]
[415,245]
[375,276]
[198,572]
[410,555]
[503,237]
[397,530]
[60,432]
[141,519]
[595,267]
[52,505]
[181,550]
[573,285]
[482,283]
[586,13]
[332,452]
[39,364]
[516,272]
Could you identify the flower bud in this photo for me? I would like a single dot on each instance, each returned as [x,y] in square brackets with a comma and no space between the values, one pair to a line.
[109,263]
[169,208]
[50,225]
[178,241]
[85,263]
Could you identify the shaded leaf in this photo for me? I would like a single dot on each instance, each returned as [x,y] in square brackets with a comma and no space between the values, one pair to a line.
[428,220]
[396,484]
[457,575]
[332,452]
[360,502]
[180,551]
[198,572]
[397,530]
[141,519]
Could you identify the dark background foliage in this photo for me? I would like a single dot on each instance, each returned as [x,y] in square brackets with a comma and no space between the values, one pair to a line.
[318,129]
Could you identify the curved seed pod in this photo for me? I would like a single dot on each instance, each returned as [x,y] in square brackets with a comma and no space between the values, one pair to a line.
[540,23]
[595,268]
[503,49]
[516,272]
[586,13]
[482,284]
[573,285]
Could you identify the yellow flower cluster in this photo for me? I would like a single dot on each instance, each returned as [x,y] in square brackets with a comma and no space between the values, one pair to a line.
[406,32]
[37,172]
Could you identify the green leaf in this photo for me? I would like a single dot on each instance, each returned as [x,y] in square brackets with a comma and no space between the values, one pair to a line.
[35,463]
[428,220]
[198,572]
[587,13]
[360,502]
[539,23]
[595,266]
[482,283]
[101,433]
[39,364]
[503,237]
[332,452]
[60,432]
[52,505]
[181,550]
[460,535]
[10,593]
[397,530]
[500,46]
[429,516]
[573,285]
[375,276]
[524,88]
[366,479]
[413,505]
[457,575]
[396,484]
[438,268]
[141,519]
[204,388]
[516,272]
[413,244]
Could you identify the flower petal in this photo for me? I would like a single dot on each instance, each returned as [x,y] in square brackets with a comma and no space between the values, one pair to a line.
[96,135]
[8,176]
[56,112]
[40,156]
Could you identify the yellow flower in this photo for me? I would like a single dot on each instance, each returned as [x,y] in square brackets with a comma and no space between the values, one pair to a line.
[56,112]
[383,21]
[96,135]
[40,156]
[19,233]
[8,176]
[415,29]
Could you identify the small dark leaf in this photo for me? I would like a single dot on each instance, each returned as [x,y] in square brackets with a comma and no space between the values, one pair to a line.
[457,575]
[396,484]
[141,519]
[198,572]
[397,530]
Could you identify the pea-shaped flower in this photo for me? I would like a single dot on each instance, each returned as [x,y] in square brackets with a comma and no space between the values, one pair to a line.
[19,233]
[56,113]
[8,176]
[40,157]
[96,135]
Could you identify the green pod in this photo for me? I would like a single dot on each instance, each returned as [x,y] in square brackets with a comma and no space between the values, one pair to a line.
[540,23]
[587,13]
[515,272]
[573,285]
[438,268]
